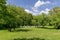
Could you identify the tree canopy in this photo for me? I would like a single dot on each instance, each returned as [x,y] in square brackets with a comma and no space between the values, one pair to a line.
[12,16]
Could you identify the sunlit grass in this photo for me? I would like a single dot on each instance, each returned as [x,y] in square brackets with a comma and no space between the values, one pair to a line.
[47,34]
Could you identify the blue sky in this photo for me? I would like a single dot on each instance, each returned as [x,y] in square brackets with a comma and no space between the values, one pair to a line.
[35,6]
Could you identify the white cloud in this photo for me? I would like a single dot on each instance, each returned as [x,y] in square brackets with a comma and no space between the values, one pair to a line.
[35,9]
[45,11]
[28,11]
[40,3]
[35,13]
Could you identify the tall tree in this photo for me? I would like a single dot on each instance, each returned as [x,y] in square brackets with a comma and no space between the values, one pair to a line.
[55,17]
[2,12]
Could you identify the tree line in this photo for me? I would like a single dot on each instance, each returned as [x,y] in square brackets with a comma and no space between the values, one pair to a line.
[12,17]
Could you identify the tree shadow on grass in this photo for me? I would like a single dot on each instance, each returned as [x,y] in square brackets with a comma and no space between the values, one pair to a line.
[22,30]
[29,39]
[46,28]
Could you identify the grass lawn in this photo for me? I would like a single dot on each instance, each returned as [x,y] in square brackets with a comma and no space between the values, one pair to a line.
[30,33]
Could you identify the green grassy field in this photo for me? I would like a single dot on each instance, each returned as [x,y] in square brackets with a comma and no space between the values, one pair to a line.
[30,33]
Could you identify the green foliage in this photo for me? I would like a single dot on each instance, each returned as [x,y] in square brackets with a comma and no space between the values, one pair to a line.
[2,12]
[12,16]
[55,16]
[16,16]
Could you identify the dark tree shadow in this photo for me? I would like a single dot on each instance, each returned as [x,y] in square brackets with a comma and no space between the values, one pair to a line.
[29,39]
[23,30]
[46,28]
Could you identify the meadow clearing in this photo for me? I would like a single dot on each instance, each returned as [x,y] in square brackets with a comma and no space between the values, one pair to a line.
[30,34]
